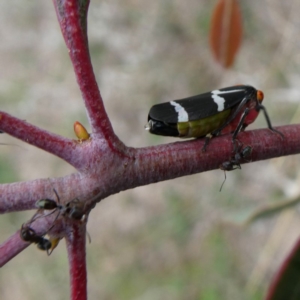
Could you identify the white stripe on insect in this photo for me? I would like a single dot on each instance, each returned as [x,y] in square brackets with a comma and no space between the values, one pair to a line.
[182,114]
[220,100]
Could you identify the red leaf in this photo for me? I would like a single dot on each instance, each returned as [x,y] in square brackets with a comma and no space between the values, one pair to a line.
[226,31]
[286,283]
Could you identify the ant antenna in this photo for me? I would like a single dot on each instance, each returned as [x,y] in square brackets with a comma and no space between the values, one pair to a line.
[223,181]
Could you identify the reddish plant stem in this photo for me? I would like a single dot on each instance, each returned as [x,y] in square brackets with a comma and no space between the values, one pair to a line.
[71,16]
[14,244]
[126,168]
[169,161]
[11,247]
[75,239]
[146,165]
[40,138]
[20,196]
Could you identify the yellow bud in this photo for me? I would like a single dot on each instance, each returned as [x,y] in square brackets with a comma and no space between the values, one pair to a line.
[81,132]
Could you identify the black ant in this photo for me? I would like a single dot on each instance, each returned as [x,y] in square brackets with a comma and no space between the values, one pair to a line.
[27,234]
[73,209]
[235,162]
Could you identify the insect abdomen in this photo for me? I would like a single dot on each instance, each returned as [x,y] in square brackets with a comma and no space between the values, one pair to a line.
[202,127]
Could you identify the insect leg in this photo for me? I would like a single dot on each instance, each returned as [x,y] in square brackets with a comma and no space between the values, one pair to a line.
[232,117]
[261,107]
[240,124]
[208,137]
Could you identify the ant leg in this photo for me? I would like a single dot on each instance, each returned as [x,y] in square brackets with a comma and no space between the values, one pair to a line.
[223,181]
[56,194]
[237,146]
[41,216]
[89,237]
[52,222]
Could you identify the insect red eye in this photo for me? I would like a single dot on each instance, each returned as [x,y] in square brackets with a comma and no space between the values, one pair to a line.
[260,95]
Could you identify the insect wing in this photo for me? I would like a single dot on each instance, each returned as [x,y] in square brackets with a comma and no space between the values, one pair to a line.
[216,101]
[163,112]
[183,110]
[200,106]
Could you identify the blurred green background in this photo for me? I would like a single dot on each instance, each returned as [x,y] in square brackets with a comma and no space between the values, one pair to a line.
[179,239]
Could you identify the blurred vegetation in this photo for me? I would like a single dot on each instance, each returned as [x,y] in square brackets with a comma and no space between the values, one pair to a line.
[178,239]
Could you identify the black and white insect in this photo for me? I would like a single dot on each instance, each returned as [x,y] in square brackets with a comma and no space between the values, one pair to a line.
[227,110]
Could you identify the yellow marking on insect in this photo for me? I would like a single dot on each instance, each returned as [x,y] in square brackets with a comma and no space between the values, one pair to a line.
[203,126]
[54,242]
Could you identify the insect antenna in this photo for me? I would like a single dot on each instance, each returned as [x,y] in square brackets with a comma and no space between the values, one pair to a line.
[223,181]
